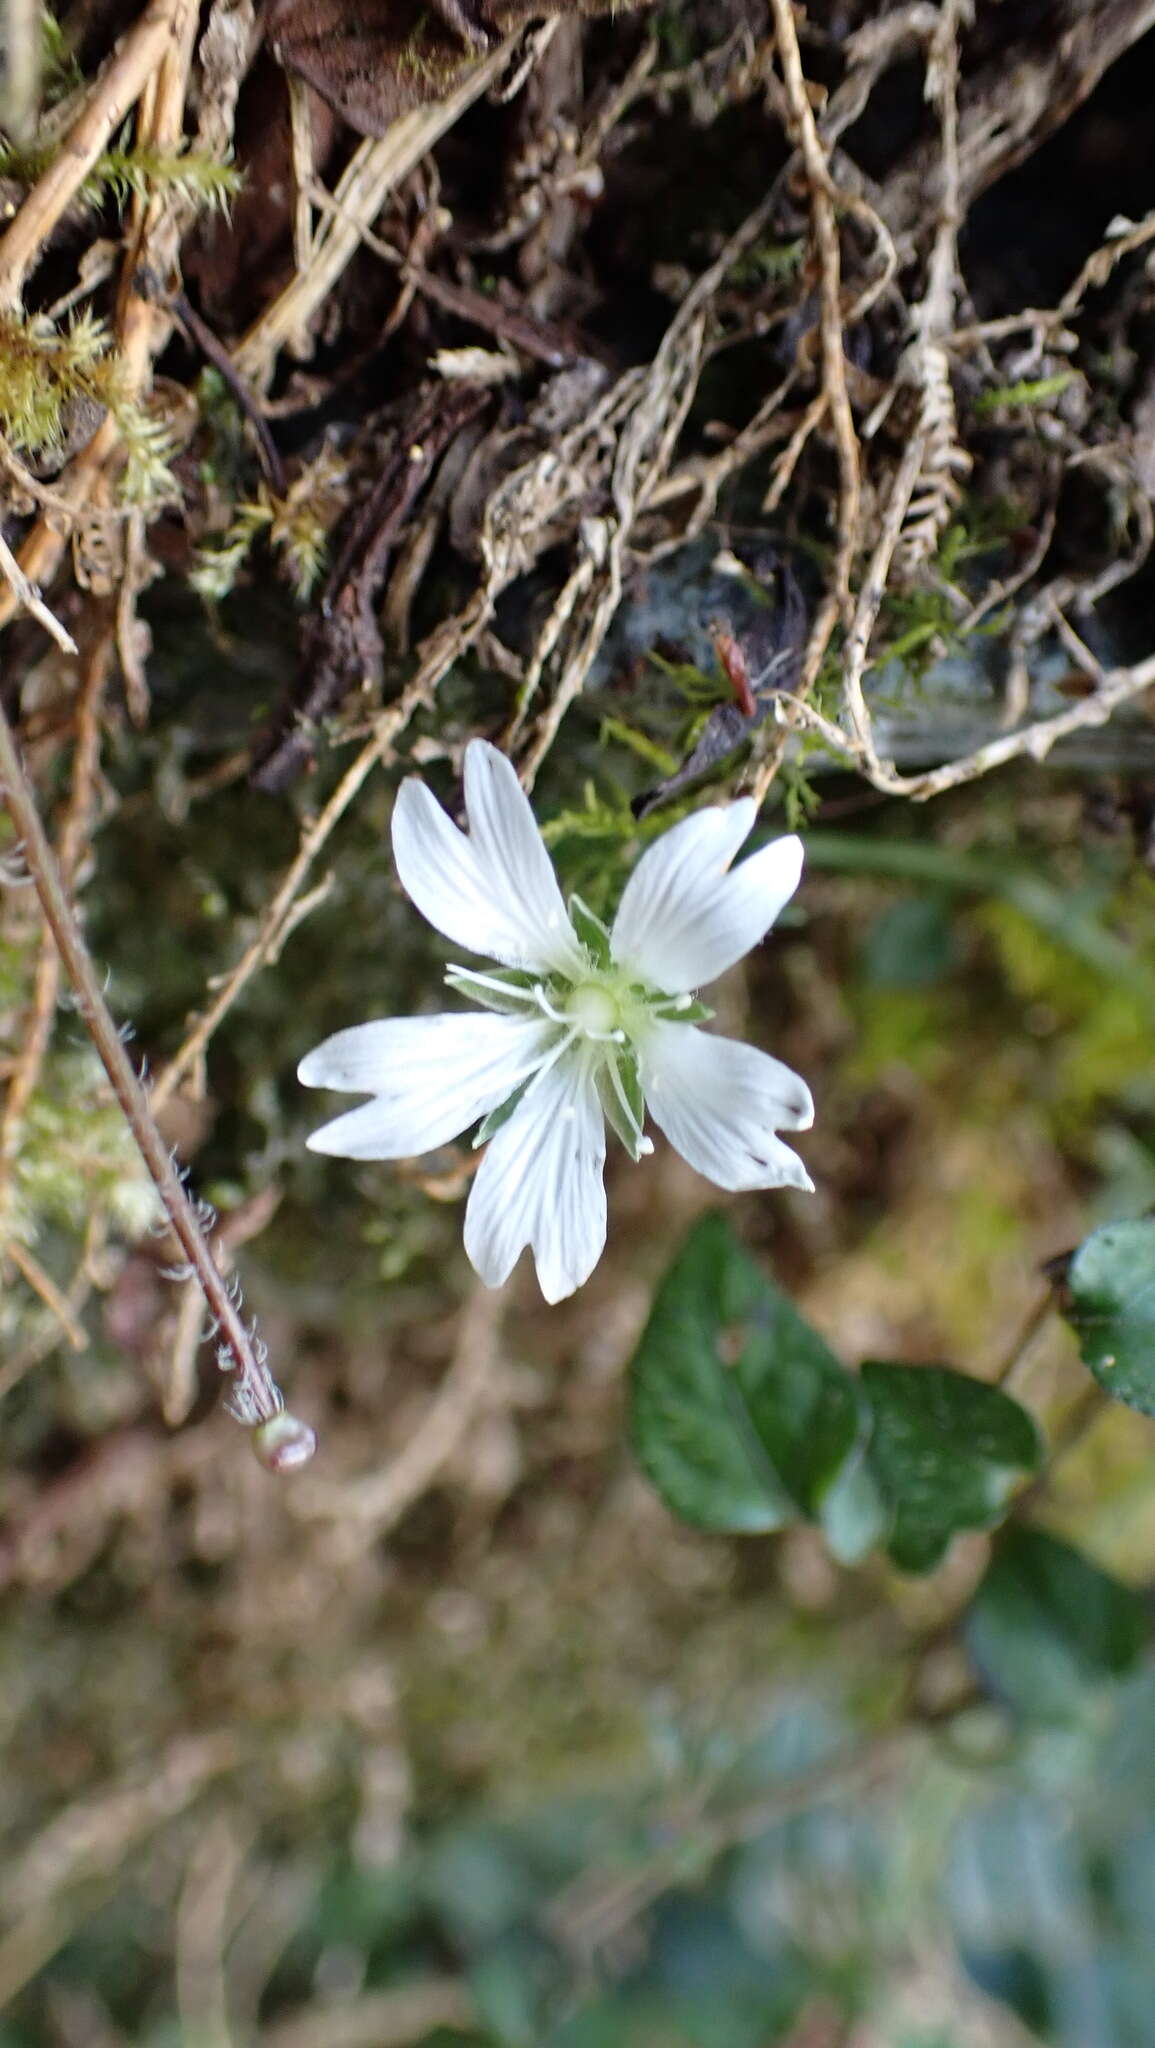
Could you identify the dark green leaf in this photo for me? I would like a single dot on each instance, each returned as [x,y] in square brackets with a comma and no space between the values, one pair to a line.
[947,1452]
[1046,1624]
[1111,1303]
[910,944]
[740,1415]
[853,1512]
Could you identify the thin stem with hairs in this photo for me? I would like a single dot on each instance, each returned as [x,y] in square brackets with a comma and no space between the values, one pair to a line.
[254,1397]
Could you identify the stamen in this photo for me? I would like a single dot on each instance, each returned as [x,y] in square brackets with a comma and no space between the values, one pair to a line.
[543,1001]
[493,981]
[676,1006]
[550,1061]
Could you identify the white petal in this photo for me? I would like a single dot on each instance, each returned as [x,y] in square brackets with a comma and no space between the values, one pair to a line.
[540,1183]
[720,1104]
[493,891]
[504,830]
[431,1077]
[683,918]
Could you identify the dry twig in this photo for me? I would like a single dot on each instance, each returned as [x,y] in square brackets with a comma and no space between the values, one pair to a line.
[114,93]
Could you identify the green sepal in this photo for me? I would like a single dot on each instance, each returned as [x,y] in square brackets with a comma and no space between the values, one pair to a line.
[517,979]
[626,1123]
[491,1124]
[594,935]
[673,1012]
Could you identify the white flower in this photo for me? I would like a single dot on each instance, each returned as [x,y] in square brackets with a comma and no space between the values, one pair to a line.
[584,1024]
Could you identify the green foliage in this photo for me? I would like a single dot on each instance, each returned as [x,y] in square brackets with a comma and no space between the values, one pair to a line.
[739,1414]
[60,73]
[218,565]
[591,838]
[1047,1626]
[768,263]
[948,1452]
[126,171]
[1028,391]
[745,1421]
[44,370]
[800,798]
[53,379]
[919,626]
[76,1155]
[146,480]
[1055,942]
[1050,1883]
[1110,1300]
[296,527]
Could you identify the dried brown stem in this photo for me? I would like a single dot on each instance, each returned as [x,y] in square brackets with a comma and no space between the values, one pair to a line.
[44,1285]
[117,89]
[26,594]
[152,66]
[372,173]
[442,649]
[823,195]
[1119,686]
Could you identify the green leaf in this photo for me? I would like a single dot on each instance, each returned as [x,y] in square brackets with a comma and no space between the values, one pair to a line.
[853,1513]
[1111,1304]
[1029,391]
[740,1415]
[1047,1625]
[947,1452]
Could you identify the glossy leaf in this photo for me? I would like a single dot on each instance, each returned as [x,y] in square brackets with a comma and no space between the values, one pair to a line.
[1111,1303]
[1047,1625]
[740,1415]
[947,1451]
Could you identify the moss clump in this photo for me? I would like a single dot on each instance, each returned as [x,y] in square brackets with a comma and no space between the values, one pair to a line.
[76,1155]
[58,382]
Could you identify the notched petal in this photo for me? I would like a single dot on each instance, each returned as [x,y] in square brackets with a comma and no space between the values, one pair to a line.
[431,1078]
[493,889]
[721,1105]
[540,1184]
[685,917]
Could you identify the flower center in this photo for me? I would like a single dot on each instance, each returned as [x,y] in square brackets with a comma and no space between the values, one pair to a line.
[593,1009]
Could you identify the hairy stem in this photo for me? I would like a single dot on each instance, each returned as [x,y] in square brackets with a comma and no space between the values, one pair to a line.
[254,1397]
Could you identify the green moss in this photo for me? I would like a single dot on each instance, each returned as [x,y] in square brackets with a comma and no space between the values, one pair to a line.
[76,1155]
[1088,1037]
[124,171]
[55,379]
